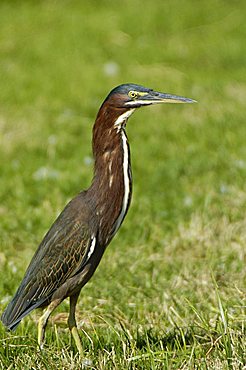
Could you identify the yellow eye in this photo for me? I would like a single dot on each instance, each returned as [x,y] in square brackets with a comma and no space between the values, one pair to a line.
[133,94]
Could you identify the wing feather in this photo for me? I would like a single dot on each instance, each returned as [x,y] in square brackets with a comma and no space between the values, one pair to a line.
[61,254]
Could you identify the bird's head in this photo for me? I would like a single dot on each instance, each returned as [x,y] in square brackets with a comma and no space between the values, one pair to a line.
[133,96]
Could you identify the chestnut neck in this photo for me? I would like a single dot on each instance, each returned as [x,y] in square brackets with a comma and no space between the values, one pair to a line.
[109,196]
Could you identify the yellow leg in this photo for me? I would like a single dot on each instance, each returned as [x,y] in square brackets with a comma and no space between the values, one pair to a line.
[77,340]
[43,321]
[72,323]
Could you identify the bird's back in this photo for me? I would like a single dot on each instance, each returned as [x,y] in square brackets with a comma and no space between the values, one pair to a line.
[60,256]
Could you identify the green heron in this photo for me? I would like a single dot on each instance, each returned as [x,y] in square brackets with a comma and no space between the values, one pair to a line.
[73,247]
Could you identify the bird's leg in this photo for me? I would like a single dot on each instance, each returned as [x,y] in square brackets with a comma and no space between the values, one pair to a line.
[72,322]
[43,321]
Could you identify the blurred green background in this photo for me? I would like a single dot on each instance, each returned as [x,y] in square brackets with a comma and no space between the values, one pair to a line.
[172,282]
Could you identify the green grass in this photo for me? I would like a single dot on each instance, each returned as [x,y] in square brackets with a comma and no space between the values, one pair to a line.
[170,290]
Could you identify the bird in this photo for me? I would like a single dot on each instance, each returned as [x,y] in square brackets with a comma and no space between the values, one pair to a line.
[71,250]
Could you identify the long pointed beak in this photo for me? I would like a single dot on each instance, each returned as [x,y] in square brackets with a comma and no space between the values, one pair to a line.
[155,97]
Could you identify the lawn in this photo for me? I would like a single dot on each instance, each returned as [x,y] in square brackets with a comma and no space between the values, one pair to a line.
[169,292]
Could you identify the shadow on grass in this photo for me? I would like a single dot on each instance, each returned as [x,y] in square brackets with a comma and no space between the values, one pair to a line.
[178,338]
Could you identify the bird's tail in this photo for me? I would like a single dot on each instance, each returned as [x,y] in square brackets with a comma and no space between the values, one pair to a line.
[17,309]
[13,313]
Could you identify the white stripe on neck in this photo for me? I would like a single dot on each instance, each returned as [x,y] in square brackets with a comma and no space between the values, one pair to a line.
[126,182]
[92,247]
[123,118]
